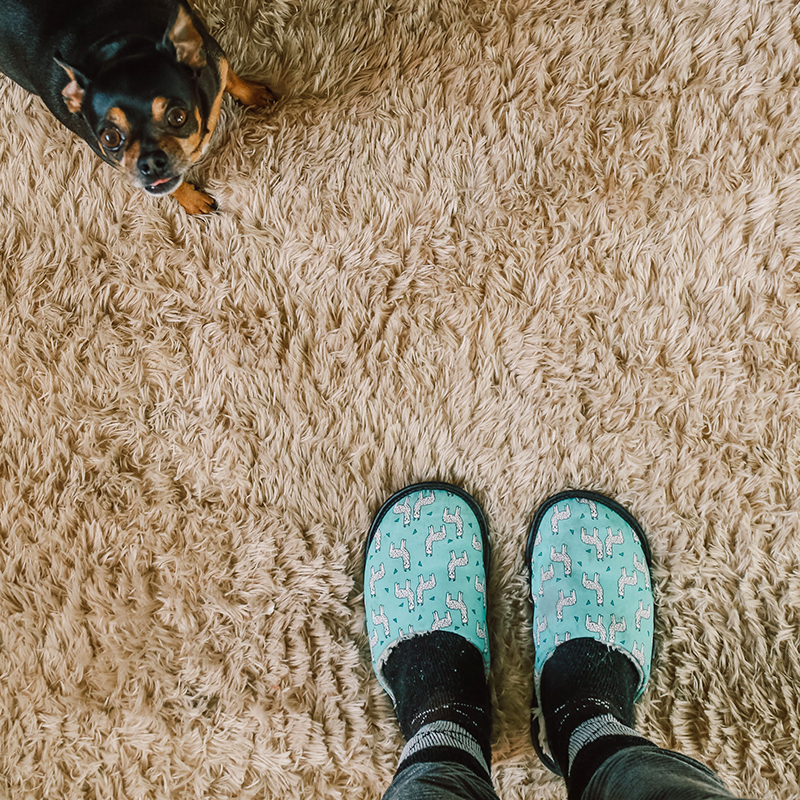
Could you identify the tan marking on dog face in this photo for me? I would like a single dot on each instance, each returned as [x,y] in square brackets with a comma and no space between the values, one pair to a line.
[160,106]
[213,117]
[181,148]
[129,162]
[117,117]
[193,141]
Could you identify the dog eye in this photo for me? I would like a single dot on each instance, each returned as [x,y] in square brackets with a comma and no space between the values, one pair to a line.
[111,138]
[176,117]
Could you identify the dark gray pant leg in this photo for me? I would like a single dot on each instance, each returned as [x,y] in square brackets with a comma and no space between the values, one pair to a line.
[650,773]
[440,780]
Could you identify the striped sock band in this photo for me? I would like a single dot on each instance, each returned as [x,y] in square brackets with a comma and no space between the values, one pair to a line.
[443,734]
[594,729]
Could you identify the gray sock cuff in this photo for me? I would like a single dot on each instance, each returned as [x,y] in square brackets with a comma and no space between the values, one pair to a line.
[594,729]
[444,734]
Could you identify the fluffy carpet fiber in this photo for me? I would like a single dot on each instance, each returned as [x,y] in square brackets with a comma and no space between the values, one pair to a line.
[518,245]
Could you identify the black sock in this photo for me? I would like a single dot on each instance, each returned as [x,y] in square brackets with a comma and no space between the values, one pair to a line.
[586,680]
[439,677]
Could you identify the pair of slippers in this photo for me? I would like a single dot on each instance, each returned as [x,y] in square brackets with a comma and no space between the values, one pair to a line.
[428,558]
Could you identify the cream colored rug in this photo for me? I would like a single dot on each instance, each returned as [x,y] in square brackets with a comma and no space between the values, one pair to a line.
[521,246]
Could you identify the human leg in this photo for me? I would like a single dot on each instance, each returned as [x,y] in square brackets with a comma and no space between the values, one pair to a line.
[593,629]
[425,600]
[651,773]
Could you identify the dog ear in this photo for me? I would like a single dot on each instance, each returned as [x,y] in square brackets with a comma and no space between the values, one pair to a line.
[186,40]
[75,88]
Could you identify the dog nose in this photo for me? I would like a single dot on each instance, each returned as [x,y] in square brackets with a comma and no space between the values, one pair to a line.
[153,164]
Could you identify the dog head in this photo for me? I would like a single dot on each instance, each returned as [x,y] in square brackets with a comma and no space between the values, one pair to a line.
[145,108]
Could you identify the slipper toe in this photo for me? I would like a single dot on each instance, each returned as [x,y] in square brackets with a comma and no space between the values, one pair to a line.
[590,578]
[425,569]
[589,566]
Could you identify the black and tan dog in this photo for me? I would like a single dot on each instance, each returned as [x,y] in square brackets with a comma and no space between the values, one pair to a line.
[140,80]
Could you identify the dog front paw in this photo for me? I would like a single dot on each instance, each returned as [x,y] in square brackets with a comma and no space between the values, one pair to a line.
[259,96]
[194,200]
[249,93]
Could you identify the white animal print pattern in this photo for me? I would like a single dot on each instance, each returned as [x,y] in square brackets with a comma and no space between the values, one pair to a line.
[590,578]
[427,571]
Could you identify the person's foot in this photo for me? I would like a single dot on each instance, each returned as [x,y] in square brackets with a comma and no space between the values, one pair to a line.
[593,614]
[425,602]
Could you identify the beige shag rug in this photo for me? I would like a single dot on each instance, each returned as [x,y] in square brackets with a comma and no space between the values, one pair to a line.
[518,245]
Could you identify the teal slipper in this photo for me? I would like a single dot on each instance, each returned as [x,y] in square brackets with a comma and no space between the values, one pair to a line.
[425,569]
[589,566]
